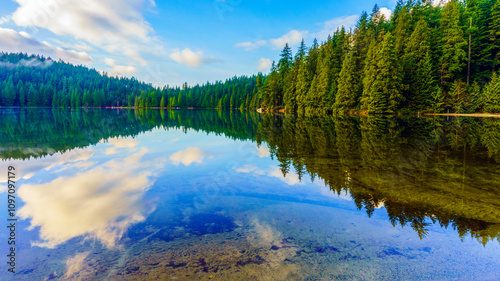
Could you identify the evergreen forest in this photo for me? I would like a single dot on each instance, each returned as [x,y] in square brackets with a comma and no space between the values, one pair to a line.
[427,57]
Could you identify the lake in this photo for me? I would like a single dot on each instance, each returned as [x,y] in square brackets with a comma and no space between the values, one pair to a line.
[192,195]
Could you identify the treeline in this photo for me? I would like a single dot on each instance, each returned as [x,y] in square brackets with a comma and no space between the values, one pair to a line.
[32,80]
[425,57]
[377,160]
[234,93]
[59,130]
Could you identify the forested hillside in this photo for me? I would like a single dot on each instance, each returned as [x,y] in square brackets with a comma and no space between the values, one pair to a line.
[32,80]
[427,56]
[29,80]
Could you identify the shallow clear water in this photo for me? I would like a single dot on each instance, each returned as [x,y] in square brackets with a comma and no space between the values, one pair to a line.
[189,195]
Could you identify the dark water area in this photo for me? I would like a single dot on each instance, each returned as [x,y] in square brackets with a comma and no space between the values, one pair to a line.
[221,195]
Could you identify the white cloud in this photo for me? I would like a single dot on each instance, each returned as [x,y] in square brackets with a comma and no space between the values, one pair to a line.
[114,25]
[246,169]
[386,13]
[293,37]
[100,203]
[27,169]
[190,58]
[123,70]
[263,151]
[4,20]
[440,3]
[248,46]
[82,47]
[188,156]
[13,41]
[119,69]
[174,140]
[75,264]
[120,143]
[291,177]
[330,26]
[263,64]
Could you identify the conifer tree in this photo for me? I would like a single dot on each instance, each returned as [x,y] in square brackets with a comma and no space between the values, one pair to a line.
[162,102]
[453,58]
[477,18]
[347,96]
[290,96]
[418,68]
[491,95]
[494,27]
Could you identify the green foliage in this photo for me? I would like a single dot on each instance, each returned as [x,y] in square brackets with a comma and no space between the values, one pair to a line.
[365,69]
[491,95]
[416,60]
[30,80]
[453,58]
[346,97]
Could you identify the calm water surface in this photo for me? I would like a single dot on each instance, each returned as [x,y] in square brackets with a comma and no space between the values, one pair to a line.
[199,195]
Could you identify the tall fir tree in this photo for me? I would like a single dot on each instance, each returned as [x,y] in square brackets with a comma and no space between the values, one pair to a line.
[453,58]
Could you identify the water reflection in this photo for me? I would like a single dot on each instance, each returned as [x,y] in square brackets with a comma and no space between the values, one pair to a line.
[155,194]
[99,201]
[422,171]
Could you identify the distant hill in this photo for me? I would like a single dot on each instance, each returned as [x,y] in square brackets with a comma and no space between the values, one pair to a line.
[35,81]
[32,80]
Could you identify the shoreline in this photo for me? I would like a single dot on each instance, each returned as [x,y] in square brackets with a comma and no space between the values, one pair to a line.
[494,115]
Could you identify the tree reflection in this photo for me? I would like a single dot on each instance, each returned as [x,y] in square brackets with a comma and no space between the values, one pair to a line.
[422,170]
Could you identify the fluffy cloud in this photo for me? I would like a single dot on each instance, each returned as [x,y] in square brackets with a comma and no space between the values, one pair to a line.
[263,151]
[114,25]
[440,3]
[246,169]
[263,64]
[385,12]
[120,143]
[119,69]
[27,169]
[248,46]
[188,156]
[75,264]
[330,26]
[4,20]
[291,177]
[293,37]
[13,41]
[190,58]
[100,203]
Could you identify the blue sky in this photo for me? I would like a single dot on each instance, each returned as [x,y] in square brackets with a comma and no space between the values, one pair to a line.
[171,42]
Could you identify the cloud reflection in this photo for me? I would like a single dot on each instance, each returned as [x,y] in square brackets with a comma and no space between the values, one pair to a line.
[188,156]
[120,143]
[291,177]
[75,264]
[263,151]
[26,169]
[100,203]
